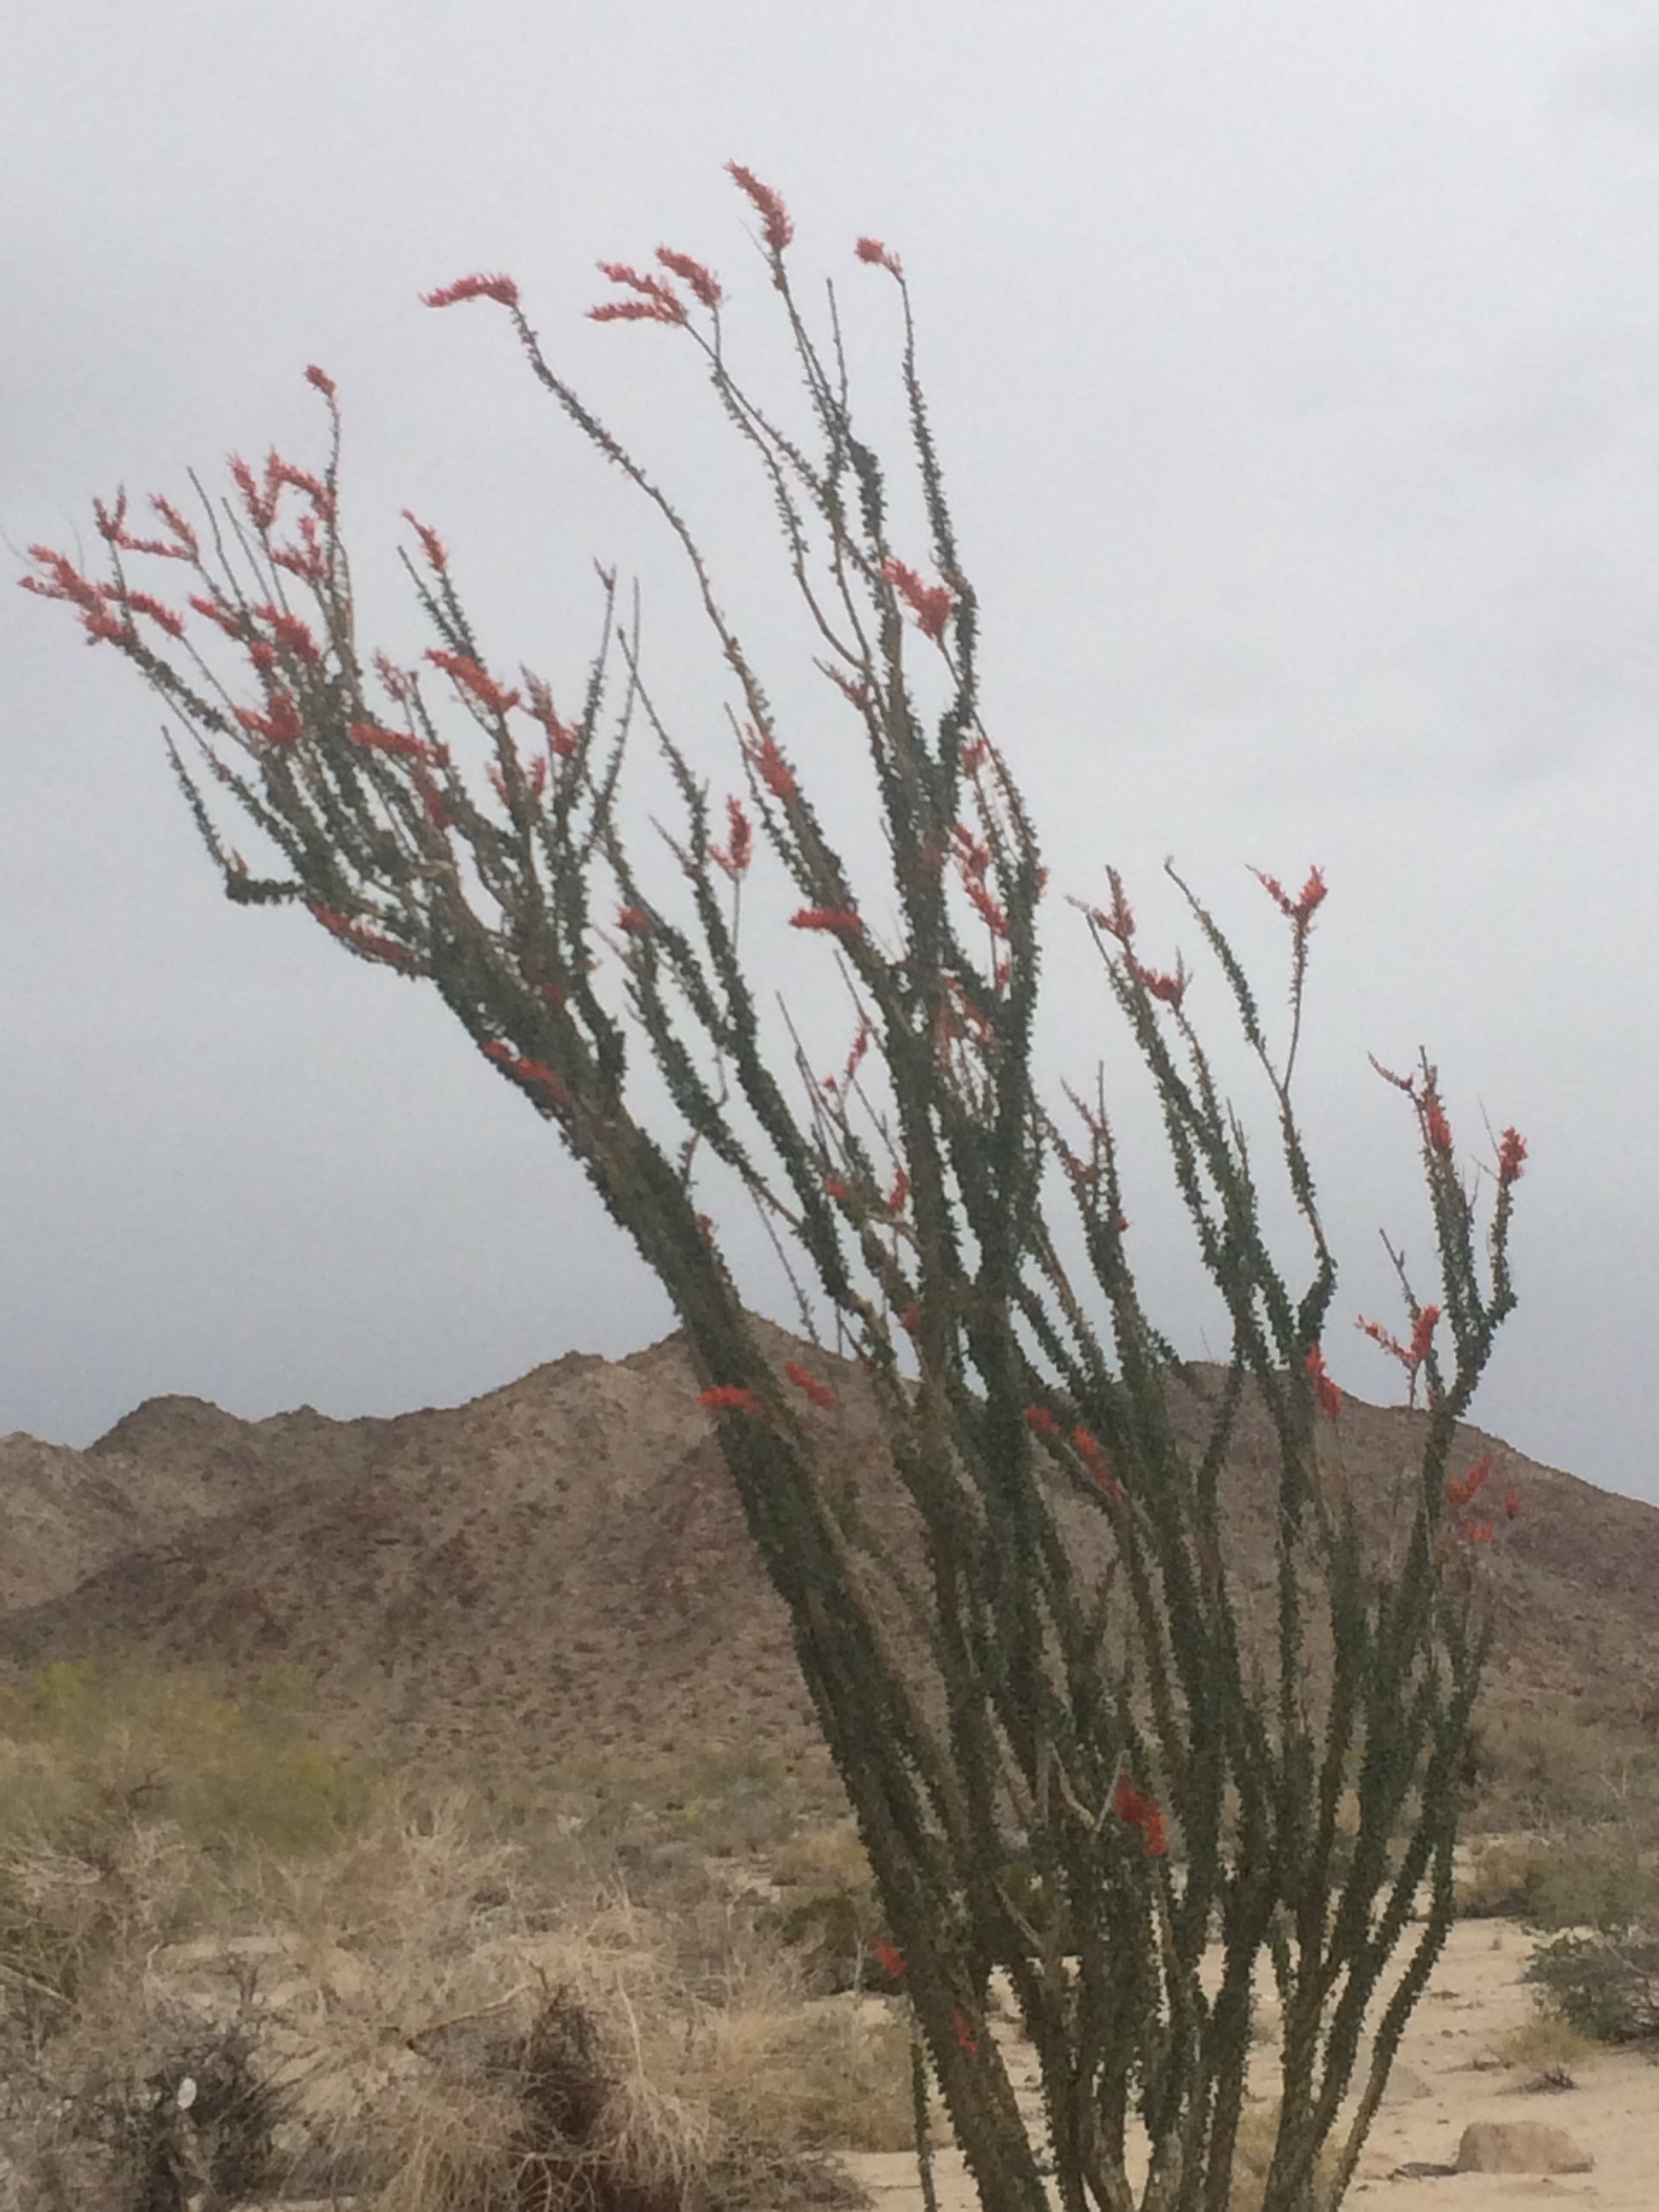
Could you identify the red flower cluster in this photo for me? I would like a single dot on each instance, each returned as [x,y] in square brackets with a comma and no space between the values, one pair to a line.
[729,1398]
[1094,1458]
[769,763]
[634,919]
[1411,1356]
[1301,909]
[820,1393]
[735,855]
[401,743]
[657,302]
[1171,989]
[1140,1812]
[434,547]
[369,942]
[562,738]
[501,289]
[467,673]
[702,281]
[1326,1397]
[1118,920]
[879,256]
[1512,1153]
[889,1959]
[1040,1419]
[834,918]
[775,226]
[535,1073]
[931,603]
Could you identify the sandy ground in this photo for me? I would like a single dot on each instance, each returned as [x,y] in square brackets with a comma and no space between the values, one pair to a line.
[1447,2075]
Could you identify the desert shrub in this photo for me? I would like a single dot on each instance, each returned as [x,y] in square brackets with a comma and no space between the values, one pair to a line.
[1546,2041]
[1605,1985]
[1537,1768]
[82,1744]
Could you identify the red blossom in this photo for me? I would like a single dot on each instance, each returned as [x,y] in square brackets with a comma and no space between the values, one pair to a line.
[399,682]
[835,919]
[369,942]
[889,1959]
[1423,1329]
[291,633]
[775,217]
[1436,1127]
[322,381]
[900,1192]
[1088,1450]
[990,912]
[1326,1397]
[562,738]
[820,1393]
[189,546]
[1478,1532]
[306,560]
[403,744]
[973,855]
[702,281]
[1301,909]
[735,855]
[281,726]
[216,611]
[1460,1491]
[1512,1153]
[467,673]
[769,763]
[112,526]
[279,472]
[858,695]
[658,302]
[931,603]
[965,2035]
[634,919]
[835,1188]
[1169,989]
[431,544]
[1118,921]
[729,1398]
[501,289]
[1040,1419]
[879,256]
[860,1046]
[973,756]
[261,506]
[142,603]
[533,1072]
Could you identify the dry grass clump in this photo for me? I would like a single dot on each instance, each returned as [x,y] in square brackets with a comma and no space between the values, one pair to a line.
[1544,2043]
[369,1993]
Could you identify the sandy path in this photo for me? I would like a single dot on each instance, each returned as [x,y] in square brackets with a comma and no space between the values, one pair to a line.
[1447,2075]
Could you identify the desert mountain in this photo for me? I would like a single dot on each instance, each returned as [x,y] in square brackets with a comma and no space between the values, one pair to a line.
[561,1564]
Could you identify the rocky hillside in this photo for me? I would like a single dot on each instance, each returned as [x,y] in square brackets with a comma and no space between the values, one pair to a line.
[561,1564]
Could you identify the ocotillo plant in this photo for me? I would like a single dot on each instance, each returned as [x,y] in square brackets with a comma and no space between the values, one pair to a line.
[1178,1782]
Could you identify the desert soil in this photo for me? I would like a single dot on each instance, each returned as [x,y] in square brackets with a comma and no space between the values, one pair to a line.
[1447,2075]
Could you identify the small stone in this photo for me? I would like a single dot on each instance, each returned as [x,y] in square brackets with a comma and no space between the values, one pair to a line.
[1520,2147]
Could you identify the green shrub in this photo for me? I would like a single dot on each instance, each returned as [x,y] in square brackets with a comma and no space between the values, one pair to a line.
[83,1746]
[1605,1985]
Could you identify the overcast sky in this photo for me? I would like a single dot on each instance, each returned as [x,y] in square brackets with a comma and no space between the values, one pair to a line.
[1297,369]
